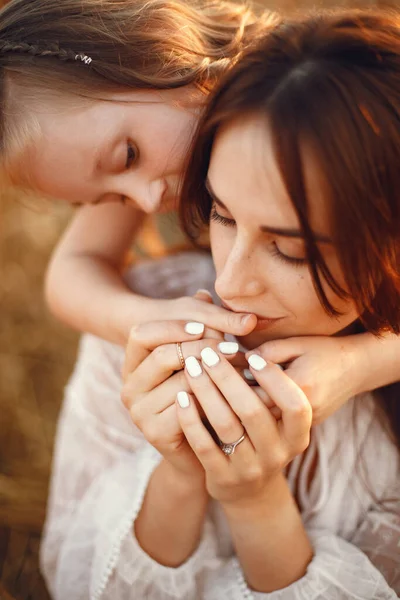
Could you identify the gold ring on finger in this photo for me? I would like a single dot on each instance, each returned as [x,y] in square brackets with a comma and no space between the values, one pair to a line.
[180,355]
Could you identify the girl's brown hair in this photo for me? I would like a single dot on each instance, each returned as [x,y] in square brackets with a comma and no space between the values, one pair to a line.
[88,48]
[331,80]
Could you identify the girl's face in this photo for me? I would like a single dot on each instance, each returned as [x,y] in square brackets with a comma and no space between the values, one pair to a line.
[256,240]
[131,148]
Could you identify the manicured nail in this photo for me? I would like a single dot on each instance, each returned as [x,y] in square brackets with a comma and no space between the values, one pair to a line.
[193,366]
[206,292]
[194,328]
[228,347]
[209,357]
[248,375]
[183,399]
[257,362]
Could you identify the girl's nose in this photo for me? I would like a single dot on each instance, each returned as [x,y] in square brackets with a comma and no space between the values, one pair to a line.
[147,196]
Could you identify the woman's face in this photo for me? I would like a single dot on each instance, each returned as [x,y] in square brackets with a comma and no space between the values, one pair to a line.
[131,148]
[256,239]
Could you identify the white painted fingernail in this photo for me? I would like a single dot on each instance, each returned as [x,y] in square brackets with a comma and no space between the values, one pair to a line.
[183,399]
[193,366]
[228,347]
[248,375]
[209,357]
[257,362]
[194,328]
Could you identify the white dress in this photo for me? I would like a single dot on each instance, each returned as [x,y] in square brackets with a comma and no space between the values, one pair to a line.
[102,465]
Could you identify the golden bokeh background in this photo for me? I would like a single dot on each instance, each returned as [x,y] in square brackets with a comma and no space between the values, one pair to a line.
[36,358]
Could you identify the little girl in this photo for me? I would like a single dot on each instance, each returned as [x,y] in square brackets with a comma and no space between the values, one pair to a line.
[99,103]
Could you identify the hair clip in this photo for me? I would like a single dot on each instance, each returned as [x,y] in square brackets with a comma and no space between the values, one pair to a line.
[86,59]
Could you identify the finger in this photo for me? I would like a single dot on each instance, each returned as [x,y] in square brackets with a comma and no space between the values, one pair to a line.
[224,421]
[145,337]
[281,351]
[164,360]
[204,295]
[287,395]
[199,439]
[269,403]
[155,401]
[250,410]
[266,399]
[163,428]
[221,319]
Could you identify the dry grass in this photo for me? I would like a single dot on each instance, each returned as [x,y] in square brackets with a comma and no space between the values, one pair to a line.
[36,357]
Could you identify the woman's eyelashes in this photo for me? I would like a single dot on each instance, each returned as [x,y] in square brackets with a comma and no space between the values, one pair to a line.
[132,154]
[294,261]
[273,247]
[214,216]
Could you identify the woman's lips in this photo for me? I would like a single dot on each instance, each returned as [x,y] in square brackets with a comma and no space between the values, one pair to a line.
[262,322]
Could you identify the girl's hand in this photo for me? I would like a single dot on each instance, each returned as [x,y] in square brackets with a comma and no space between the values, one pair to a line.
[214,317]
[151,384]
[233,408]
[327,369]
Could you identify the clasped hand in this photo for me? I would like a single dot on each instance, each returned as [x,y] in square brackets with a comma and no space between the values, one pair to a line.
[212,392]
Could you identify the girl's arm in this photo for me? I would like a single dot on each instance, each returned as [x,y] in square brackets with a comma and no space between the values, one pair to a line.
[85,288]
[330,370]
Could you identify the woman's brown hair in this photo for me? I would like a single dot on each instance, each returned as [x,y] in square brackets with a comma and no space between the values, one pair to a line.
[88,48]
[331,80]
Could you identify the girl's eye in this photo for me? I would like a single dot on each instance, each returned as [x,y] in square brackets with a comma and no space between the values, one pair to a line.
[214,216]
[297,262]
[132,154]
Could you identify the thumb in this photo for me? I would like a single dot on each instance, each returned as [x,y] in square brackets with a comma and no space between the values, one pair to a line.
[280,351]
[204,295]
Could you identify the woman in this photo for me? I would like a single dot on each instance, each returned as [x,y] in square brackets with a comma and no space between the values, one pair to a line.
[224,500]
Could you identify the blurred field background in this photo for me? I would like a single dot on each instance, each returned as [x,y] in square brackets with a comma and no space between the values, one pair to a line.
[36,357]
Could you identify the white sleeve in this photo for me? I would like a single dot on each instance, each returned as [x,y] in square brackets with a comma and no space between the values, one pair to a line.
[368,568]
[338,571]
[100,473]
[101,469]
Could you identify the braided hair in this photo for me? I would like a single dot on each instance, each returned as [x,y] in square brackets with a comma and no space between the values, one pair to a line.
[91,48]
[52,50]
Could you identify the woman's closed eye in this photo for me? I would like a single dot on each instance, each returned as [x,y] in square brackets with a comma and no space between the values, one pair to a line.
[273,246]
[215,216]
[293,260]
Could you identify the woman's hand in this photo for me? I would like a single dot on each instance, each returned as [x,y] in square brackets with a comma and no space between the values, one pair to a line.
[329,370]
[233,408]
[152,379]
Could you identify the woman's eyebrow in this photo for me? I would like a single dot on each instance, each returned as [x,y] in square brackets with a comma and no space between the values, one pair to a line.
[281,231]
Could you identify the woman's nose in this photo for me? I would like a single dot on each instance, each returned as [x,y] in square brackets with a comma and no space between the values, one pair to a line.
[239,277]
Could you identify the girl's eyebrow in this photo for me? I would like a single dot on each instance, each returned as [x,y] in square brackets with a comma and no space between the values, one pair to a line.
[281,231]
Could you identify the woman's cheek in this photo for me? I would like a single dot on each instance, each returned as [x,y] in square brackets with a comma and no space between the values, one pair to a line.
[221,241]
